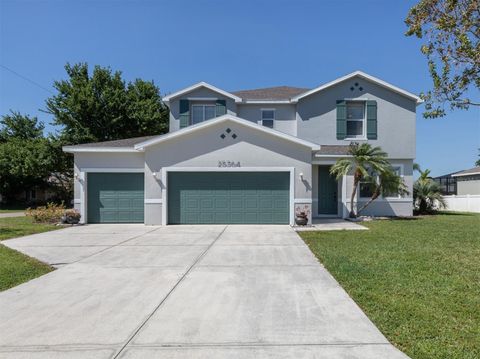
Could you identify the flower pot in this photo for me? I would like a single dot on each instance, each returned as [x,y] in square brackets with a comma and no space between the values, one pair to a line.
[301,221]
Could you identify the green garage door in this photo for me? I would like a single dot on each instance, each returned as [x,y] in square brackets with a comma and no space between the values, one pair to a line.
[115,198]
[228,198]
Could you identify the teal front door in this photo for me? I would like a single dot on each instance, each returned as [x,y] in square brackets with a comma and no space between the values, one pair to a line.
[327,191]
[115,198]
[228,197]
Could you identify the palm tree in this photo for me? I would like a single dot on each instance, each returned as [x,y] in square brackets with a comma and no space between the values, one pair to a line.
[364,159]
[388,182]
[427,195]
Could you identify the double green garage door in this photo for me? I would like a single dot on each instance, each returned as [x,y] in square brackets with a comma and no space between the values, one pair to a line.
[193,197]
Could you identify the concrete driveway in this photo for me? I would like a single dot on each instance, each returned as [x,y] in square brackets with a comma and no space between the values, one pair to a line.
[131,291]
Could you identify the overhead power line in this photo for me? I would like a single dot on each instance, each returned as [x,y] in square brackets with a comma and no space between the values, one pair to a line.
[26,79]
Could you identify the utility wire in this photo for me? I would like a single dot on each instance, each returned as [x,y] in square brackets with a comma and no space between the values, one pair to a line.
[26,79]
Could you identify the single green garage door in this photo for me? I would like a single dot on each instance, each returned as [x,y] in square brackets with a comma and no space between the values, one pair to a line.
[115,198]
[228,198]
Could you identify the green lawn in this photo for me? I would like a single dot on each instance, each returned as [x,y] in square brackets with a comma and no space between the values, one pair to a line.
[11,210]
[16,268]
[418,280]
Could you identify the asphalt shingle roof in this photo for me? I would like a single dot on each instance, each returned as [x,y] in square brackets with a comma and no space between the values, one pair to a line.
[127,142]
[333,150]
[270,93]
[472,171]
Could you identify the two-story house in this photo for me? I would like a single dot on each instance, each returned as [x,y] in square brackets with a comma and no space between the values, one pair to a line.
[253,156]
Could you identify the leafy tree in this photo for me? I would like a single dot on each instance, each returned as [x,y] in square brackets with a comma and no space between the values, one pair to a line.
[23,164]
[427,195]
[103,107]
[19,126]
[477,163]
[364,161]
[451,29]
[28,159]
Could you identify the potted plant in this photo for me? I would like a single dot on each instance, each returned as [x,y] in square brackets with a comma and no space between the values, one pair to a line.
[301,215]
[71,216]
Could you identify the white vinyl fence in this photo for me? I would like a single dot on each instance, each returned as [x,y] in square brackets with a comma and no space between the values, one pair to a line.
[463,203]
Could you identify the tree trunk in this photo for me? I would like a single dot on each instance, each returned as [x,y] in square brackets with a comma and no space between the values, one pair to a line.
[374,197]
[356,179]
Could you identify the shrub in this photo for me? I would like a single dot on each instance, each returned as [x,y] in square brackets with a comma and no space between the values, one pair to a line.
[51,213]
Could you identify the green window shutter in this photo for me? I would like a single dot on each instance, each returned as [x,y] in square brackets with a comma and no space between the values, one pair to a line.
[184,113]
[372,120]
[220,108]
[341,119]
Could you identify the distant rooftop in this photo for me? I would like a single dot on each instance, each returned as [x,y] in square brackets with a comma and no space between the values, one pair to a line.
[270,93]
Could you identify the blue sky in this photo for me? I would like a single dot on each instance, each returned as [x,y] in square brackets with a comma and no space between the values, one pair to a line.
[231,44]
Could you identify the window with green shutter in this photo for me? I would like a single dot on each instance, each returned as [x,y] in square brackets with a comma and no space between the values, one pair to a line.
[184,113]
[341,119]
[372,120]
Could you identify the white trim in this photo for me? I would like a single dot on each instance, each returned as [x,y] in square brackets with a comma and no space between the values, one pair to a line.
[202,98]
[77,201]
[466,174]
[224,118]
[332,156]
[198,85]
[112,170]
[78,149]
[259,102]
[365,76]
[82,182]
[153,200]
[165,171]
[388,199]
[303,200]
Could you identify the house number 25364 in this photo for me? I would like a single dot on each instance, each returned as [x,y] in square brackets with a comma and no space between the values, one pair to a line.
[228,164]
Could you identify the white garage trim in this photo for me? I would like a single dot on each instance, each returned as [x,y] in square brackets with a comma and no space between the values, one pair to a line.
[166,170]
[112,170]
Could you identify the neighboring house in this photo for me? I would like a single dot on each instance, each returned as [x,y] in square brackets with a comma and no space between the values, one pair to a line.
[468,181]
[253,156]
[448,183]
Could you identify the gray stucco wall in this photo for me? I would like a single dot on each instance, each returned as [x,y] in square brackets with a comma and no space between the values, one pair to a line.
[470,185]
[387,206]
[200,92]
[205,148]
[316,116]
[285,119]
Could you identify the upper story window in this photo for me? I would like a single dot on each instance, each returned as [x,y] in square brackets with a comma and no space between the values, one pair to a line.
[356,119]
[268,117]
[202,112]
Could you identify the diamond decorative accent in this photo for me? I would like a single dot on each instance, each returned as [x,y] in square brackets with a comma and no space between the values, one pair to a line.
[234,136]
[356,84]
[360,88]
[351,88]
[228,130]
[223,136]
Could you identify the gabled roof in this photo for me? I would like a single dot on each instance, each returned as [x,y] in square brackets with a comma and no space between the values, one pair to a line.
[224,118]
[271,93]
[198,85]
[469,172]
[125,145]
[364,76]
